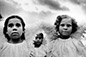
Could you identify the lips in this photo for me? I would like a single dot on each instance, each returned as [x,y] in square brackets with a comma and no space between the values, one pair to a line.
[15,34]
[65,31]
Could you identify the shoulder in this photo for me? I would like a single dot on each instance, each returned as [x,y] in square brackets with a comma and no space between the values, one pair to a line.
[78,43]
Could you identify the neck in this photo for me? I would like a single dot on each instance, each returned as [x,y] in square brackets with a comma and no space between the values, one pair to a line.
[15,41]
[64,37]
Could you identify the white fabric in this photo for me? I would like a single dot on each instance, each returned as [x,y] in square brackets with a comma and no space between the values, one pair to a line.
[15,50]
[68,48]
[41,51]
[83,40]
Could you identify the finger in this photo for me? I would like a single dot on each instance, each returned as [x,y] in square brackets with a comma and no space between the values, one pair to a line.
[83,36]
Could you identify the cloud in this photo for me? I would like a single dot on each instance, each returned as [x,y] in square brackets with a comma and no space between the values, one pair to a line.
[37,11]
[79,2]
[42,9]
[7,8]
[75,1]
[55,5]
[39,5]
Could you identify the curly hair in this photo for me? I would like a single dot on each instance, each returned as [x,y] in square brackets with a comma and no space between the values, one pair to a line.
[59,19]
[6,23]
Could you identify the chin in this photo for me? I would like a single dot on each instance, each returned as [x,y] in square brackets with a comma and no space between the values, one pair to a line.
[15,37]
[37,45]
[65,34]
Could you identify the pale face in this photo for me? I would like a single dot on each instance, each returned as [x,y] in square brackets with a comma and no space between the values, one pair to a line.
[65,27]
[14,28]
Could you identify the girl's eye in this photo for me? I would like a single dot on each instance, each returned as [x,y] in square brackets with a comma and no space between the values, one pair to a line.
[18,25]
[10,25]
[68,25]
[62,25]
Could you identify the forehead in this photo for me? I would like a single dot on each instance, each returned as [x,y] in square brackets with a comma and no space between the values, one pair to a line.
[66,21]
[14,20]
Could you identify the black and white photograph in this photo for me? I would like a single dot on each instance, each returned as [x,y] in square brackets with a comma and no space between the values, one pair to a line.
[42,28]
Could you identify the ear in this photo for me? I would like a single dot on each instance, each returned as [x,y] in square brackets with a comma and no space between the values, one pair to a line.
[24,31]
[6,32]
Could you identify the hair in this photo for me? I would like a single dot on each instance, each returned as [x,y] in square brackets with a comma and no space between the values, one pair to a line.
[40,35]
[60,18]
[6,23]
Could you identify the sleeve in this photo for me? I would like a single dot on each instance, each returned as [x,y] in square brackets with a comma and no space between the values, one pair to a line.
[81,49]
[49,49]
[79,33]
[1,45]
[31,49]
[32,53]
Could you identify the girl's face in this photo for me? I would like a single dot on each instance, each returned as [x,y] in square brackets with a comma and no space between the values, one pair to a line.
[65,27]
[14,28]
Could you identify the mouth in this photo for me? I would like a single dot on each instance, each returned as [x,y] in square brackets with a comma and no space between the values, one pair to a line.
[65,32]
[15,35]
[37,44]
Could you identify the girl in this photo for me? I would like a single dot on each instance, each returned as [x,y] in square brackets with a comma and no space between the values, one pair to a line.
[66,44]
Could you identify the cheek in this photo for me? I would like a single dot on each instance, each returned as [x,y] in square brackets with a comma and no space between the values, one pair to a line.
[20,30]
[70,29]
[60,28]
[9,30]
[40,40]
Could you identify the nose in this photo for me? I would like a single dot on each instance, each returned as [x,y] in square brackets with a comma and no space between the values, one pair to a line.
[14,29]
[37,39]
[65,27]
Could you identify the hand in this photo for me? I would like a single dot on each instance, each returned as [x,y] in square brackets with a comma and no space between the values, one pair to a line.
[84,34]
[32,54]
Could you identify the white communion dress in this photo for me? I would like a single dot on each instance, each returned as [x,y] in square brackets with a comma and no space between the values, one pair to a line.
[16,50]
[41,51]
[68,48]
